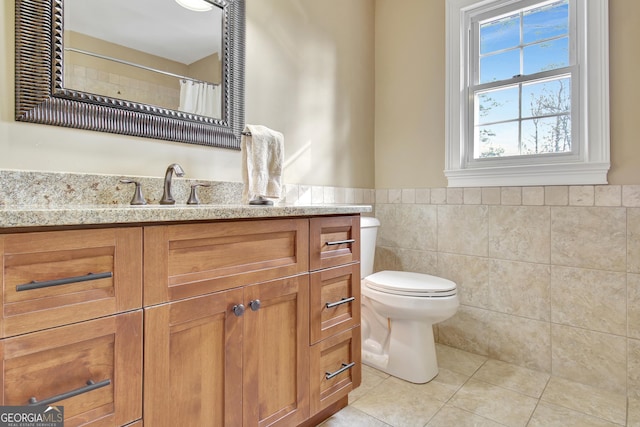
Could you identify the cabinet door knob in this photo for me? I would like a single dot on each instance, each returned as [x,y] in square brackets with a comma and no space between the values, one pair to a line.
[238,309]
[254,305]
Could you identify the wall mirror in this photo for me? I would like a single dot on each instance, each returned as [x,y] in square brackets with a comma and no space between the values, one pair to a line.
[164,69]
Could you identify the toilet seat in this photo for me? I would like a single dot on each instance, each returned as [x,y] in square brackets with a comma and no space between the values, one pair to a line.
[410,284]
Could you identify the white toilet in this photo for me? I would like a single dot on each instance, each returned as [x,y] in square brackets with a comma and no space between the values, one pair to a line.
[398,311]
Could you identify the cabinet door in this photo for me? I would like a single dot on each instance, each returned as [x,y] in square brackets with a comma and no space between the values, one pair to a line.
[276,347]
[193,362]
[58,365]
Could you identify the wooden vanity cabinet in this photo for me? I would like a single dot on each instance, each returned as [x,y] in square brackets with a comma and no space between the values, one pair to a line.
[243,323]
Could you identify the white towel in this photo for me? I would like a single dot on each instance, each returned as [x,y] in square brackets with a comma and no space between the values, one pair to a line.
[262,160]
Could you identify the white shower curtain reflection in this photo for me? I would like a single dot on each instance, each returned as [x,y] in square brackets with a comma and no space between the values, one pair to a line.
[200,98]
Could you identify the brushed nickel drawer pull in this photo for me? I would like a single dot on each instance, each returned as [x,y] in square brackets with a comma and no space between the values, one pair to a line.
[340,242]
[65,281]
[345,367]
[89,387]
[342,301]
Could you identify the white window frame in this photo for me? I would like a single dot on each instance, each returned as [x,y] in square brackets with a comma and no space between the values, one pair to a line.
[589,161]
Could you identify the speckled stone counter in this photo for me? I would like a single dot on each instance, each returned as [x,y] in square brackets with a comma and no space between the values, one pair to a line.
[50,199]
[30,216]
[54,189]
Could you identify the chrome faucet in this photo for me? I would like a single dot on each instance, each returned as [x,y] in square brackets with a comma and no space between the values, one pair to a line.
[167,198]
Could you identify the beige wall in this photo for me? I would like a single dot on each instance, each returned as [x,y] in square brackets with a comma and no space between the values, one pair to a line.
[410,96]
[410,75]
[309,74]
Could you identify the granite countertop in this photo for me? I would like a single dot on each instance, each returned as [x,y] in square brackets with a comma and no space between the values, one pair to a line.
[44,216]
[30,199]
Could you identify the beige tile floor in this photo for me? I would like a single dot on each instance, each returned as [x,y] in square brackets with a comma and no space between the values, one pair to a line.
[472,390]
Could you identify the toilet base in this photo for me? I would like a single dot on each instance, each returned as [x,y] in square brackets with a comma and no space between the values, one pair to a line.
[411,352]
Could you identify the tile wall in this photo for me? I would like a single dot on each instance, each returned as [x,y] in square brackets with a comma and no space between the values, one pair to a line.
[93,80]
[302,195]
[549,277]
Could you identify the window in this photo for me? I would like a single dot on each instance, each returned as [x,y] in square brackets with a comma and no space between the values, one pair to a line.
[527,92]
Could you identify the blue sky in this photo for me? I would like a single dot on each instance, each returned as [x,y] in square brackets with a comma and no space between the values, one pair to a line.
[500,43]
[525,44]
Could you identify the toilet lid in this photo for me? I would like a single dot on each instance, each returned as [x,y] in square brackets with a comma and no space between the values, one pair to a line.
[410,284]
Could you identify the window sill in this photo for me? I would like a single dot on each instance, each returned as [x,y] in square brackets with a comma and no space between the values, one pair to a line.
[528,175]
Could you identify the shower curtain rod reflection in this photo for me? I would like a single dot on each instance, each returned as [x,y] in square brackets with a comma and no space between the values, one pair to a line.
[133,64]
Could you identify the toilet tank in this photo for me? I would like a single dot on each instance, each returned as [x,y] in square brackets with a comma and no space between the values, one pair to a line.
[368,232]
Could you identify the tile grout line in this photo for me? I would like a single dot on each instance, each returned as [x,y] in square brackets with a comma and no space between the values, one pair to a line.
[539,400]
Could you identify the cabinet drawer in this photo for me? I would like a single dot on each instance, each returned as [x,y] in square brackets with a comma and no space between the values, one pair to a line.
[182,261]
[47,364]
[334,301]
[334,241]
[335,368]
[54,278]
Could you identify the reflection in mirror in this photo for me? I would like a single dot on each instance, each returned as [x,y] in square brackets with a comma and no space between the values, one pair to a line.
[133,81]
[171,61]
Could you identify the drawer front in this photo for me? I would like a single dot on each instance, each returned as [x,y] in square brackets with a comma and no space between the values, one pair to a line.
[335,368]
[48,364]
[182,261]
[54,278]
[334,301]
[334,241]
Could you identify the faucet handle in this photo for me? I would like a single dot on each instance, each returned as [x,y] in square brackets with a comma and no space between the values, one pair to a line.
[193,197]
[138,198]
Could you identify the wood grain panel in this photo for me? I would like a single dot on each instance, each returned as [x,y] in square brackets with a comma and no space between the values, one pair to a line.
[48,363]
[193,362]
[182,261]
[328,356]
[276,353]
[331,286]
[46,256]
[326,230]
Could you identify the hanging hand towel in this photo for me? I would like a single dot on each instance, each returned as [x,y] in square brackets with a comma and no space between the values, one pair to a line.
[262,159]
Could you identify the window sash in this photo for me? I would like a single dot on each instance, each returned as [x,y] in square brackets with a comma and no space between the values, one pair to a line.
[474,87]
